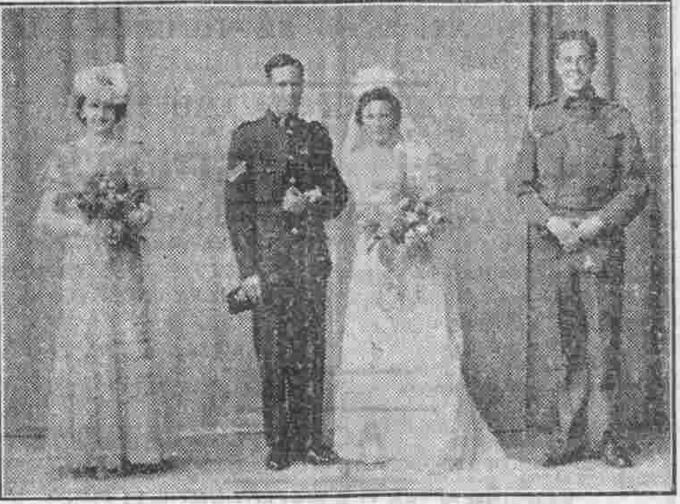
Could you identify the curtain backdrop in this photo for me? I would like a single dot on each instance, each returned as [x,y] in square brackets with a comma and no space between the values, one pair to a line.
[468,74]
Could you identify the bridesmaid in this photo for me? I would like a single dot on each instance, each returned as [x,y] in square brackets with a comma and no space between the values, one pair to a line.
[102,420]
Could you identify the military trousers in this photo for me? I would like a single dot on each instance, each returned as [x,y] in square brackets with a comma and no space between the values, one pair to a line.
[289,338]
[575,309]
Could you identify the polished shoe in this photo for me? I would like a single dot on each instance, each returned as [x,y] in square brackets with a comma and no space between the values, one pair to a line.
[277,460]
[565,454]
[614,454]
[321,455]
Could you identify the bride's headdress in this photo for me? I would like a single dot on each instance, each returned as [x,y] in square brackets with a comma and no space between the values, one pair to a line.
[371,78]
[410,144]
[365,80]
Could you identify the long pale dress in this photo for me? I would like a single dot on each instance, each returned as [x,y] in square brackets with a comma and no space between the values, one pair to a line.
[101,403]
[400,392]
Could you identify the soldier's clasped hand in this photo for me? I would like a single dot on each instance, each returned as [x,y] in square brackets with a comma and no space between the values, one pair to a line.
[252,288]
[589,228]
[565,230]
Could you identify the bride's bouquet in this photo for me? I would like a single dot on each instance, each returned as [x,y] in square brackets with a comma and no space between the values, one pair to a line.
[410,231]
[110,198]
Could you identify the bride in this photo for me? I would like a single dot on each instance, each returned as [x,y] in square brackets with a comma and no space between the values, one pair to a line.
[400,393]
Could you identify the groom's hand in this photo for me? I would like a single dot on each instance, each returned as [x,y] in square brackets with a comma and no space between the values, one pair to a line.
[314,195]
[252,288]
[294,201]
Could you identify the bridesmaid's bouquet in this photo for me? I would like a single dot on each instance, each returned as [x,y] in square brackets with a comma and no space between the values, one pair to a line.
[111,199]
[412,229]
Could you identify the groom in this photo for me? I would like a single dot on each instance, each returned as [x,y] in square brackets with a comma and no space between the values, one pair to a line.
[282,184]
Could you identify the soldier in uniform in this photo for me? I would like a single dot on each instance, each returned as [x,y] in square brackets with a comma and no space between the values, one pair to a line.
[282,184]
[580,178]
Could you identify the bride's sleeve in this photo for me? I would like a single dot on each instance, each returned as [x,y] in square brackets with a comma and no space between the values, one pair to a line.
[440,173]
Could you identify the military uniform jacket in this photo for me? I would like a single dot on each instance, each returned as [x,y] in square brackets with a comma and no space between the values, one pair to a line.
[264,156]
[580,155]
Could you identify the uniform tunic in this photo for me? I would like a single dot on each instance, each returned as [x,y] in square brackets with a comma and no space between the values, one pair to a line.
[290,255]
[580,157]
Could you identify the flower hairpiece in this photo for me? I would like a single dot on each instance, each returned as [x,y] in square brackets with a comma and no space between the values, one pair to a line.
[107,82]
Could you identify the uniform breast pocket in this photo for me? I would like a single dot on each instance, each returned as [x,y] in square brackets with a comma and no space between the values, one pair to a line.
[550,154]
[320,260]
[609,148]
[266,180]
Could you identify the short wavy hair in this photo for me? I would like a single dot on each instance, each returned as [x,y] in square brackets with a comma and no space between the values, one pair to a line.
[282,60]
[582,35]
[379,94]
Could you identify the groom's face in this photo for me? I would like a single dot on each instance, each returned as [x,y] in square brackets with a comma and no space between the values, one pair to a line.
[286,90]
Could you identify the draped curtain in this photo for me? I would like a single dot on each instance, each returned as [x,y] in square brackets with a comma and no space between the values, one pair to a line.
[467,73]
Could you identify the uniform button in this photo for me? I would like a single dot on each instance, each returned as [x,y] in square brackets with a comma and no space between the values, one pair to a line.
[289,132]
[290,157]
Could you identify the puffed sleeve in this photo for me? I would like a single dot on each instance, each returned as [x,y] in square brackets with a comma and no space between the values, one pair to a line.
[524,179]
[57,190]
[239,202]
[631,199]
[326,175]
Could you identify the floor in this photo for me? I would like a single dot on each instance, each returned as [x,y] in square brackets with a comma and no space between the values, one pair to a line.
[210,465]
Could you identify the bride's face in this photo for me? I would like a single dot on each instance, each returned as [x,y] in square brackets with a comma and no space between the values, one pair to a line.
[377,119]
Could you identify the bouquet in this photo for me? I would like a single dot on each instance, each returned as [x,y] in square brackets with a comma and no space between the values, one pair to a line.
[412,229]
[111,199]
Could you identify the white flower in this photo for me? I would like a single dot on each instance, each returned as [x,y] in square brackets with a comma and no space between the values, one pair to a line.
[411,218]
[422,230]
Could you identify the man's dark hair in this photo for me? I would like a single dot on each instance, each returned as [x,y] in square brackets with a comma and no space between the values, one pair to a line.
[582,35]
[379,94]
[283,60]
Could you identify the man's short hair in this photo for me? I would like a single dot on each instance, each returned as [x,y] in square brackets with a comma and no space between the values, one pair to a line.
[582,35]
[283,60]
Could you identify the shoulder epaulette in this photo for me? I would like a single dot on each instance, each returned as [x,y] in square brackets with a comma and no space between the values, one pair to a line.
[317,127]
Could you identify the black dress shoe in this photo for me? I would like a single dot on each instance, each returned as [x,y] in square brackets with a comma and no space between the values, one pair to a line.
[321,455]
[615,455]
[565,454]
[277,460]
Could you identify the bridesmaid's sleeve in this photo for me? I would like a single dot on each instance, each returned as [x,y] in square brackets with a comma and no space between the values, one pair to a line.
[57,211]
